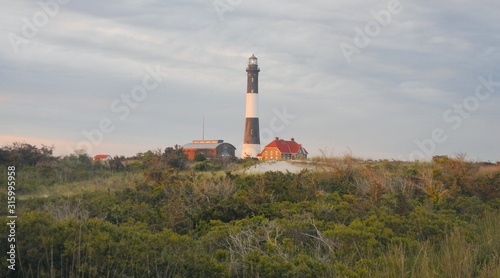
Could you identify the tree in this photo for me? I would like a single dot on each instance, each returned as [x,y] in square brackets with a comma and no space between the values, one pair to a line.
[199,157]
[174,157]
[26,154]
[74,167]
[116,164]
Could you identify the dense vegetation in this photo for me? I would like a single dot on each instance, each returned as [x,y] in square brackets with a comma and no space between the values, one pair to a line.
[354,218]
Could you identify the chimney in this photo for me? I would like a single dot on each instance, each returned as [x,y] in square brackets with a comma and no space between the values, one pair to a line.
[276,138]
[292,139]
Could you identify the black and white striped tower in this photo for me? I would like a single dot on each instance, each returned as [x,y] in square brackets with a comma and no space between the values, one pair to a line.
[251,141]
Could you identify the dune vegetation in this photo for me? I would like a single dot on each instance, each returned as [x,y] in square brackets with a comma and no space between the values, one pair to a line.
[157,215]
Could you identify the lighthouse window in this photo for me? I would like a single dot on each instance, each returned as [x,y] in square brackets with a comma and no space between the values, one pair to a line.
[252,90]
[252,79]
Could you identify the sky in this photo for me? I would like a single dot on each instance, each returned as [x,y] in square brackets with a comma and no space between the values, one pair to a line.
[375,79]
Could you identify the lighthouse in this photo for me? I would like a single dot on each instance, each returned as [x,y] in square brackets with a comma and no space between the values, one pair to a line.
[251,141]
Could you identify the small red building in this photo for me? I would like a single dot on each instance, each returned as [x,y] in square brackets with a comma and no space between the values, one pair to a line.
[102,157]
[280,149]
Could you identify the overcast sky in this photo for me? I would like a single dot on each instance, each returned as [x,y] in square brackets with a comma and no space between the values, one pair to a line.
[380,79]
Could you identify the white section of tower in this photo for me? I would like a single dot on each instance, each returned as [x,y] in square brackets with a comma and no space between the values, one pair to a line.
[250,150]
[252,106]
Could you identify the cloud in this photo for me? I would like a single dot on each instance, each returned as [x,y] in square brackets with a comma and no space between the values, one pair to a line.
[395,90]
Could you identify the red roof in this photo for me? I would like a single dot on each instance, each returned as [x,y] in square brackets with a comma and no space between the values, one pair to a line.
[285,146]
[101,156]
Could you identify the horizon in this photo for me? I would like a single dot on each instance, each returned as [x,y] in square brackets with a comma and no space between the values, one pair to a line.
[322,154]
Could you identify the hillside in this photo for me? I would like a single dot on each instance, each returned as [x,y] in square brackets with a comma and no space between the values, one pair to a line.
[354,218]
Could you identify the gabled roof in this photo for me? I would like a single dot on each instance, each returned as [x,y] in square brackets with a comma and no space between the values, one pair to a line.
[286,147]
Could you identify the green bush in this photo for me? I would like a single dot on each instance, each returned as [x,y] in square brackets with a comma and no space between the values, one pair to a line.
[356,219]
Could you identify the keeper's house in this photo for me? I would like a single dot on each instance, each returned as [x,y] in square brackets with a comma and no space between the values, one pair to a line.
[209,149]
[280,149]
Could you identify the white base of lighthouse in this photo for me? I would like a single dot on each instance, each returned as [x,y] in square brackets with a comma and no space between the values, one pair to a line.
[250,150]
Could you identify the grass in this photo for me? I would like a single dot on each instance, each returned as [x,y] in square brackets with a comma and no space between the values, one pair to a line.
[474,253]
[116,182]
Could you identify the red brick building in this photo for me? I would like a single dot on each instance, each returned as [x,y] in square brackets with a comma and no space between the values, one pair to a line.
[280,149]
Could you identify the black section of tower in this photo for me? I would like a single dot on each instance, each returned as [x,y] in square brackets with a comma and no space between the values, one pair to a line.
[252,131]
